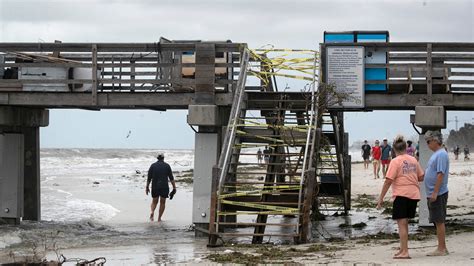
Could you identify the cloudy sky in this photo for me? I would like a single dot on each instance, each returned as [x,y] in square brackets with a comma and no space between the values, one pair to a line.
[285,24]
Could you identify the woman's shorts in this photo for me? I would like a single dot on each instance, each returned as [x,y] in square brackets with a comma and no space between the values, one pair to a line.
[404,207]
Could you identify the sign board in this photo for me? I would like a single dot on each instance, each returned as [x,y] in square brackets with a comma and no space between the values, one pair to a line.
[345,71]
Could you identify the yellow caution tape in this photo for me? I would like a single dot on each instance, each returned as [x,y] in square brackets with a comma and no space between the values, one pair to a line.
[260,192]
[269,61]
[260,137]
[296,127]
[268,144]
[285,50]
[282,75]
[248,213]
[282,210]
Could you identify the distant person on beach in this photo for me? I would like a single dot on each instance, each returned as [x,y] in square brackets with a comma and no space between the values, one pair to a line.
[376,153]
[410,149]
[417,156]
[366,154]
[266,155]
[466,153]
[386,156]
[259,156]
[456,152]
[403,175]
[436,185]
[159,174]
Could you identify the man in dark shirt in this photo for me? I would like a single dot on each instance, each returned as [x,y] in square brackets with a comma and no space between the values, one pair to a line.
[366,154]
[158,175]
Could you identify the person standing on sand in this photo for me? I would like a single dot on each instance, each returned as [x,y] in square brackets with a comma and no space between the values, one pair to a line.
[404,174]
[376,153]
[266,155]
[386,156]
[366,154]
[159,174]
[456,152]
[466,153]
[436,184]
[410,149]
[259,156]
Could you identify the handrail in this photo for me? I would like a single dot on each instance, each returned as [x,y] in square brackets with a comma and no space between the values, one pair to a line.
[308,137]
[224,159]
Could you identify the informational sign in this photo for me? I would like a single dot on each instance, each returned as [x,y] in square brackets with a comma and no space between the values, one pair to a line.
[345,71]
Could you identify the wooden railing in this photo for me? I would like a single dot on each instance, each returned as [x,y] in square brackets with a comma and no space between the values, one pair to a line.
[164,66]
[421,68]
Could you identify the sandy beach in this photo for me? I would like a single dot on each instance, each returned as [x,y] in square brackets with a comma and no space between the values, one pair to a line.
[105,215]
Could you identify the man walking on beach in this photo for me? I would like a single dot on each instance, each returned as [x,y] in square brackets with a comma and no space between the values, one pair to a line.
[376,153]
[159,174]
[386,156]
[366,154]
[436,184]
[466,153]
[456,152]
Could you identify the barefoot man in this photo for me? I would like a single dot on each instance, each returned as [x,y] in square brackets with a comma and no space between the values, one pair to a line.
[159,174]
[386,156]
[436,184]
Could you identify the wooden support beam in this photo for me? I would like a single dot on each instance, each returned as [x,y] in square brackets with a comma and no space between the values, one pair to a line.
[213,234]
[94,74]
[305,232]
[205,73]
[429,69]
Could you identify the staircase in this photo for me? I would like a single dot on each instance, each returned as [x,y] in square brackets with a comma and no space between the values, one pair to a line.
[334,166]
[266,180]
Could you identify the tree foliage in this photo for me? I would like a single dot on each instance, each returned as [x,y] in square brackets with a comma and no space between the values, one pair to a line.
[464,136]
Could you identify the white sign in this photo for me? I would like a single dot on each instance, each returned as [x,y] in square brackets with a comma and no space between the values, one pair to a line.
[345,70]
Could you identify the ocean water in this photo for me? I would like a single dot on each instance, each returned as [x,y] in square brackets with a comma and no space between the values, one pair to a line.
[96,198]
[64,170]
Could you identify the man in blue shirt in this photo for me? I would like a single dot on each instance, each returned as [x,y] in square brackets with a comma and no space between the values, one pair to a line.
[386,156]
[436,184]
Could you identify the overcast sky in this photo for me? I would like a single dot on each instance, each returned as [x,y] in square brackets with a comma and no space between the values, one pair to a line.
[285,24]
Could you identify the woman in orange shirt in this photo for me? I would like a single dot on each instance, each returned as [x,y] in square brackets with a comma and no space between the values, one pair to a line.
[404,174]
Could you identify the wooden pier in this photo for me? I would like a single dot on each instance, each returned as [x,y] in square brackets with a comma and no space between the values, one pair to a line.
[233,118]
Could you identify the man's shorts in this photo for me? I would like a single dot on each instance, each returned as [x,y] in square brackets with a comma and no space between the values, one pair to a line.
[404,207]
[385,162]
[366,157]
[160,192]
[438,208]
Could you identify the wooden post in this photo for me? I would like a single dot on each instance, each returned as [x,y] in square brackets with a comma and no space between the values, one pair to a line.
[305,222]
[410,85]
[113,73]
[429,73]
[32,186]
[213,234]
[446,77]
[120,74]
[132,75]
[205,73]
[94,74]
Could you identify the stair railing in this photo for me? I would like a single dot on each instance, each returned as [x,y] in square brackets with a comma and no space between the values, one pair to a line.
[310,134]
[226,152]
